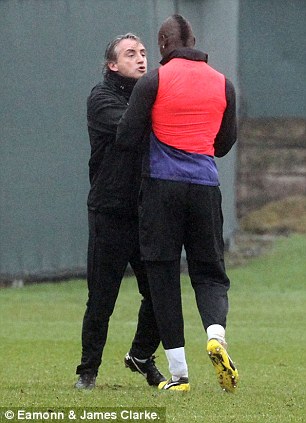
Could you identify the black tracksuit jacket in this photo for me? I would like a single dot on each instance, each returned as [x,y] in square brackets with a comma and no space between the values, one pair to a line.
[114,175]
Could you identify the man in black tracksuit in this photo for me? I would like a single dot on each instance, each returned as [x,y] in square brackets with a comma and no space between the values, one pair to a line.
[113,218]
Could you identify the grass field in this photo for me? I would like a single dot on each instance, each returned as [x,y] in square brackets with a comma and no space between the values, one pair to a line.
[40,347]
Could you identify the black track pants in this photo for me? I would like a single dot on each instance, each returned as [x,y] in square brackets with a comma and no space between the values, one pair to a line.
[113,243]
[210,284]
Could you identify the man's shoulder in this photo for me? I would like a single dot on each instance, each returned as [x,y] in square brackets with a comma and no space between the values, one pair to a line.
[101,93]
[151,74]
[100,89]
[149,80]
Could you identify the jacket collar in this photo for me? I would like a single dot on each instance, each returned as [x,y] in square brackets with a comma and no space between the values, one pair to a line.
[121,83]
[185,53]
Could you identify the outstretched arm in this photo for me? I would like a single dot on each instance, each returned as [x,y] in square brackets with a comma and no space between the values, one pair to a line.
[137,118]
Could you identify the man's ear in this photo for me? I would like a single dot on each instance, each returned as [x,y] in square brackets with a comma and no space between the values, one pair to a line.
[191,42]
[113,66]
[165,42]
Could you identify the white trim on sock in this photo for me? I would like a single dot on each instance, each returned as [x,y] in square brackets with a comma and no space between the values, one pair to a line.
[177,362]
[216,332]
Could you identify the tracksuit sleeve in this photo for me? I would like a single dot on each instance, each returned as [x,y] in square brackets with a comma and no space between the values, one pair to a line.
[227,135]
[137,119]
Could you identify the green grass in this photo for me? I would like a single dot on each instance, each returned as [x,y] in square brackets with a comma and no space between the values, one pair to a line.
[40,347]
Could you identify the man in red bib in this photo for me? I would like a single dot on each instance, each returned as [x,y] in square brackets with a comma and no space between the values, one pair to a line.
[189,109]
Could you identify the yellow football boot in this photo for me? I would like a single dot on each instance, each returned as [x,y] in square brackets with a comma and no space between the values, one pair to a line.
[227,373]
[181,385]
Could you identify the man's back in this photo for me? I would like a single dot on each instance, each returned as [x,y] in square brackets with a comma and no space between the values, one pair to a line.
[189,104]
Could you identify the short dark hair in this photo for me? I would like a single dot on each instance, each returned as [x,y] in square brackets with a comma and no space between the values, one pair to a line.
[185,29]
[111,53]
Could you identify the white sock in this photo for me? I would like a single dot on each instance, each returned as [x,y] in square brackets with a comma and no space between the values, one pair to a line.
[216,332]
[177,363]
